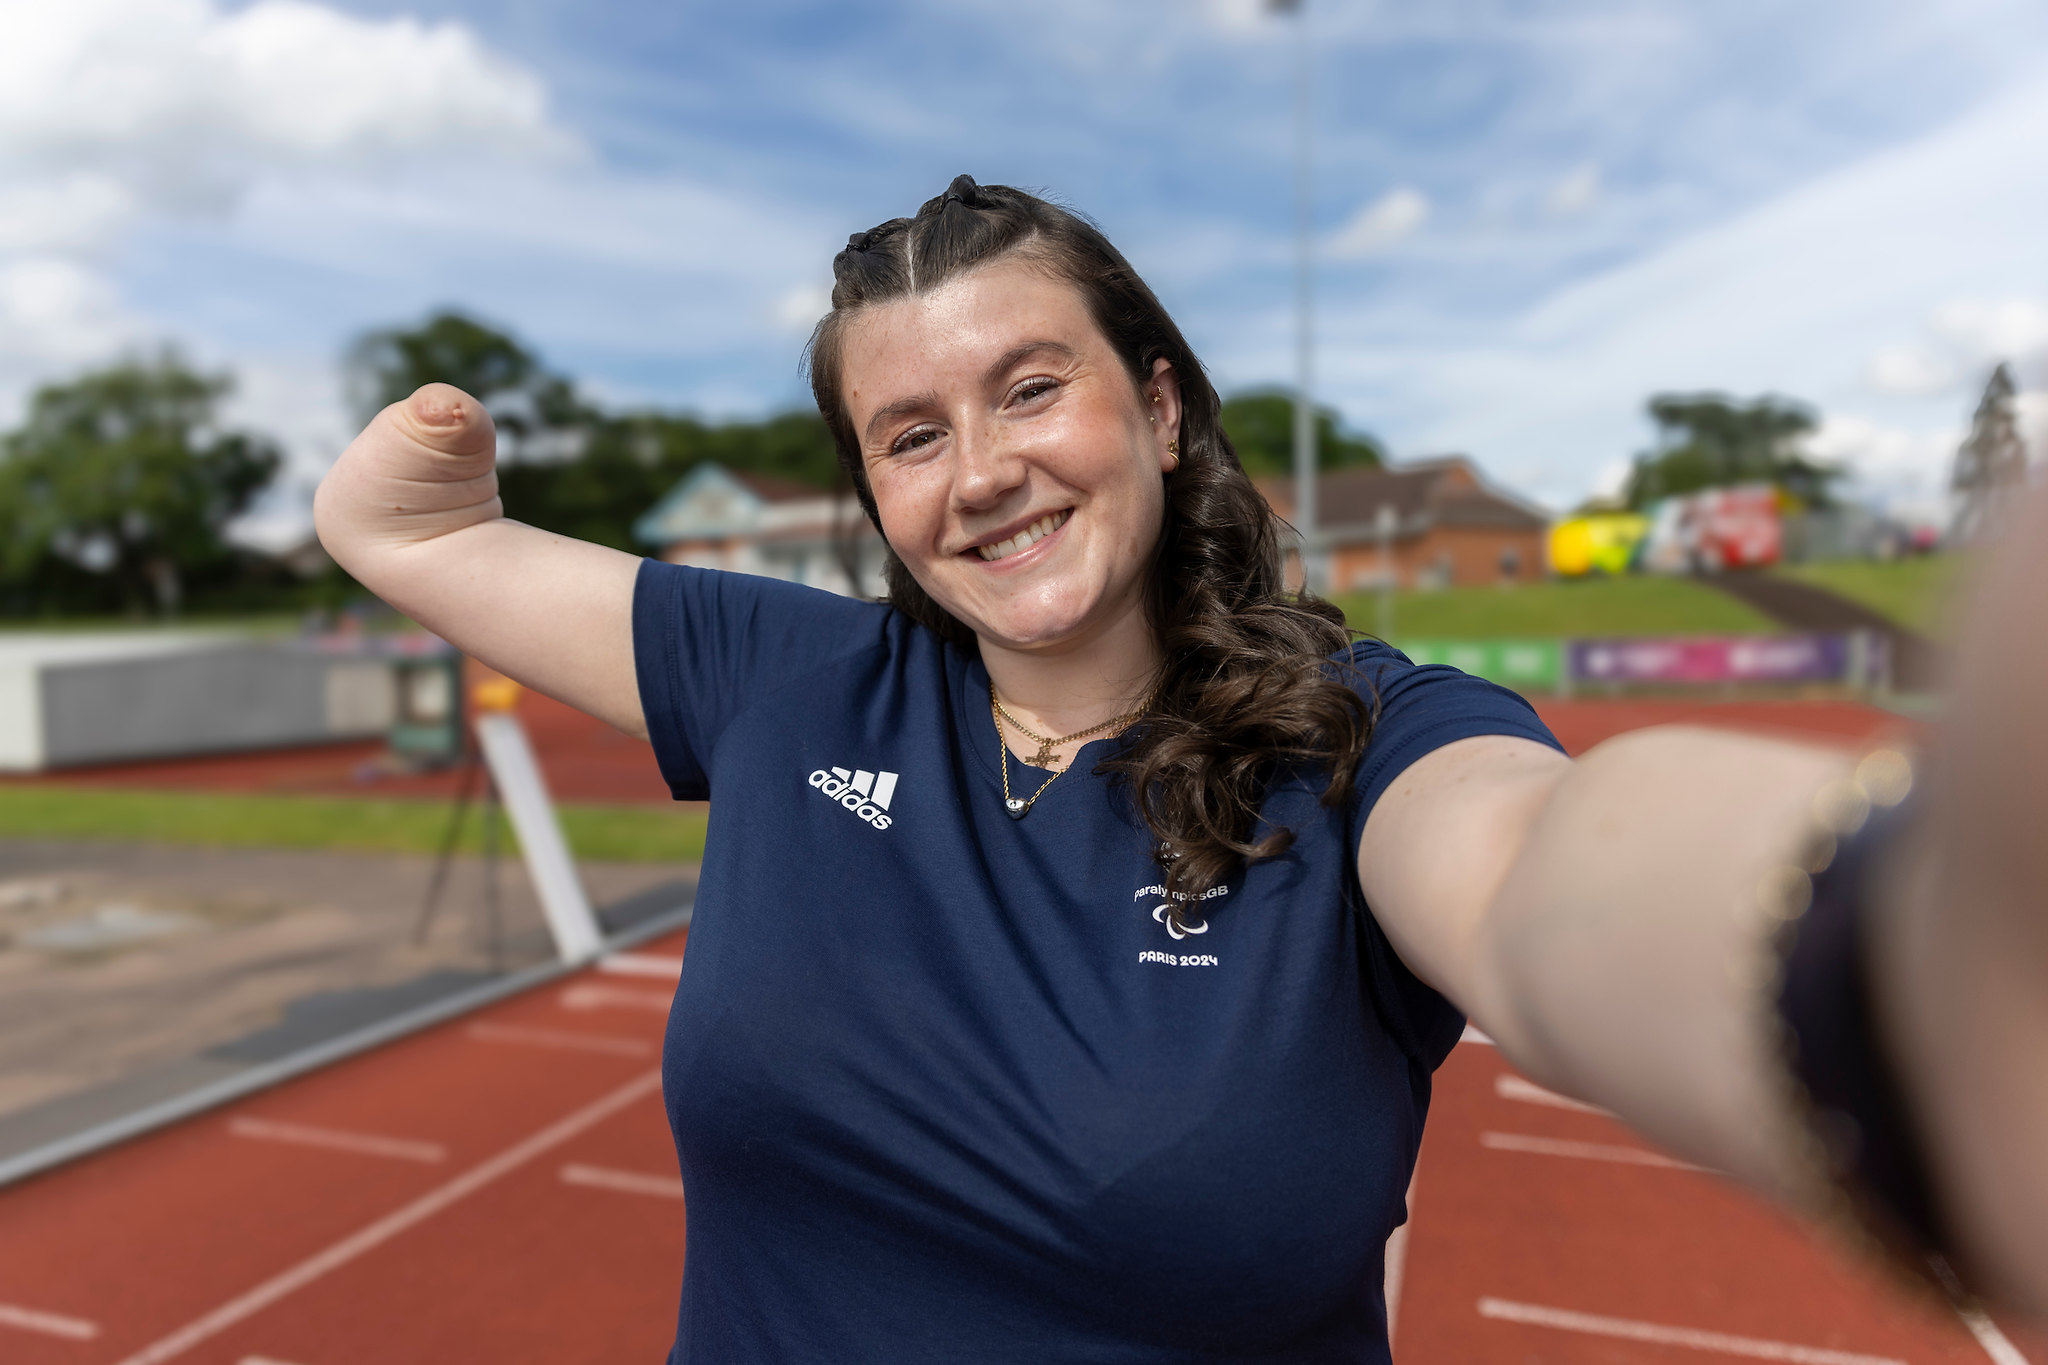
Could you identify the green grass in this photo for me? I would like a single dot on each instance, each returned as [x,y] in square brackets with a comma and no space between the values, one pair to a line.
[1644,605]
[610,833]
[1913,592]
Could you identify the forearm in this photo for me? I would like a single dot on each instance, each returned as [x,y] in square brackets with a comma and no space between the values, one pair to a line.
[411,510]
[1618,962]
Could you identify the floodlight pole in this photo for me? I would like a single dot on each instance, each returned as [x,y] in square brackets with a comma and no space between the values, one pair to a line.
[1313,570]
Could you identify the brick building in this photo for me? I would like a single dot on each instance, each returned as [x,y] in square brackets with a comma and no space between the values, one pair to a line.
[1451,528]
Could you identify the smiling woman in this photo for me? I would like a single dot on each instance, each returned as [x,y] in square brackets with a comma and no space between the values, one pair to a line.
[942,1083]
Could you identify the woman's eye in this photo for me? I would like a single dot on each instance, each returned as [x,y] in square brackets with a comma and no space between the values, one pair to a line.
[913,440]
[1031,389]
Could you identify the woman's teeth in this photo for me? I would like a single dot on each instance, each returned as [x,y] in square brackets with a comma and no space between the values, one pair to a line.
[1025,538]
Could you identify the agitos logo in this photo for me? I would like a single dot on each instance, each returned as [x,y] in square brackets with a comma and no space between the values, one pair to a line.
[864,793]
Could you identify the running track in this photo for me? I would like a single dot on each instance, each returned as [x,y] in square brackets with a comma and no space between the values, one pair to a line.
[502,1188]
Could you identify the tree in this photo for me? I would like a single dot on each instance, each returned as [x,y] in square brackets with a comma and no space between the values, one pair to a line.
[1709,440]
[1991,461]
[523,398]
[1260,425]
[120,484]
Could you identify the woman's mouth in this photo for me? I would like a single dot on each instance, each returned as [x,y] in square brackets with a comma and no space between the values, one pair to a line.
[1026,538]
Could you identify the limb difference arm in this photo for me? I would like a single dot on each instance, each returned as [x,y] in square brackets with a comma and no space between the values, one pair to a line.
[1601,920]
[411,510]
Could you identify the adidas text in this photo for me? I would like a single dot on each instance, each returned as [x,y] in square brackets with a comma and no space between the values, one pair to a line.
[864,793]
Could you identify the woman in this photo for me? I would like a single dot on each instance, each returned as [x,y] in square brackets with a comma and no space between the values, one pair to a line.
[1078,930]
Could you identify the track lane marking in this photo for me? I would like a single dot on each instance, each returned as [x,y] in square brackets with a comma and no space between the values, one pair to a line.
[1756,1348]
[565,1040]
[625,1182]
[338,1140]
[1584,1151]
[50,1324]
[660,965]
[1509,1086]
[596,997]
[392,1224]
[263,1360]
[1996,1344]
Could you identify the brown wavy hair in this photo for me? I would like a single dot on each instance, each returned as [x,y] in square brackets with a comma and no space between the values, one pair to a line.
[1247,688]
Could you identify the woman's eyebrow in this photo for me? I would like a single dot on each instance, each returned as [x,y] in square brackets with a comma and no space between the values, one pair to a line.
[902,407]
[1016,355]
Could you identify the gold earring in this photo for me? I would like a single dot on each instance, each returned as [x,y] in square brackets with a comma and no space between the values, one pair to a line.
[1173,449]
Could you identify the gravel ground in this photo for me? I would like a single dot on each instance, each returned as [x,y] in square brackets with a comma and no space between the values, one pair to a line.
[126,969]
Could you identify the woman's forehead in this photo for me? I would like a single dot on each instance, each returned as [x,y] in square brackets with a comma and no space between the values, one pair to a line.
[951,334]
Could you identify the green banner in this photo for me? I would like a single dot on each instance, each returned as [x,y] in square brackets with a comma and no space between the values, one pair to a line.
[1512,663]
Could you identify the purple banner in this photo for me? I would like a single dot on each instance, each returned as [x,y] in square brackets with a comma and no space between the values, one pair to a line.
[1713,659]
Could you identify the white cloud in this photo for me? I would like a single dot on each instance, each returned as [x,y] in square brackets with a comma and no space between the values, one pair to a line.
[1577,192]
[1785,298]
[799,309]
[1912,371]
[116,115]
[1395,215]
[2014,329]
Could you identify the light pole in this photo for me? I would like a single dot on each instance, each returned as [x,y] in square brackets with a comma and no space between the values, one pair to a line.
[1312,566]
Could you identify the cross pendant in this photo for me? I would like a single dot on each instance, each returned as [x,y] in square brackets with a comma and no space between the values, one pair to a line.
[1043,758]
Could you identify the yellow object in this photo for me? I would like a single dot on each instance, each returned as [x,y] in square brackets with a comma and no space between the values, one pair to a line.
[495,694]
[1605,543]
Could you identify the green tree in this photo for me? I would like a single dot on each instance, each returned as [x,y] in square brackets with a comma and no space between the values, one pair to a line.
[119,485]
[1709,440]
[450,347]
[1260,425]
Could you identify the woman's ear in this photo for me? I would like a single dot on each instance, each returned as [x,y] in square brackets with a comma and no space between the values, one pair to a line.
[1161,394]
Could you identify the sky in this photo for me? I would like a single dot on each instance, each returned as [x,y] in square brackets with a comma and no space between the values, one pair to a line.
[1528,217]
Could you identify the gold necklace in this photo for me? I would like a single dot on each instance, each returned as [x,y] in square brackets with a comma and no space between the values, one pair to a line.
[1018,806]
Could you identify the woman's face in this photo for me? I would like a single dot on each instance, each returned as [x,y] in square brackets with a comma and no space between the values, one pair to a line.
[1014,463]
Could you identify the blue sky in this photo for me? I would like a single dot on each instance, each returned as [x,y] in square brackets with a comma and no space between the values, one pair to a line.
[1530,215]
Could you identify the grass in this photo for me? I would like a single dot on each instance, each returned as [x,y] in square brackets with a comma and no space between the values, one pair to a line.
[1644,605]
[1913,592]
[234,820]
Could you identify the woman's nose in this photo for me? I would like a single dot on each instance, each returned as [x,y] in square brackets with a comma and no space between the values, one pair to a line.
[985,467]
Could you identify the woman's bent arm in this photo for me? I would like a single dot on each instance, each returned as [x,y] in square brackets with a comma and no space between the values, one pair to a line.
[411,510]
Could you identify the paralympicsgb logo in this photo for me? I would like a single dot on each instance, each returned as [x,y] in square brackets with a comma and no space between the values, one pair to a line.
[1178,928]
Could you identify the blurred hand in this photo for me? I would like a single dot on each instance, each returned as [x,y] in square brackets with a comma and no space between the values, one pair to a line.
[1963,961]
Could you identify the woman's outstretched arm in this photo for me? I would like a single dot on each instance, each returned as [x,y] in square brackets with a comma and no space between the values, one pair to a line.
[411,510]
[1602,920]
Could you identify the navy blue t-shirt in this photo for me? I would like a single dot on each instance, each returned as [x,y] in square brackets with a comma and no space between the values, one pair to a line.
[946,1086]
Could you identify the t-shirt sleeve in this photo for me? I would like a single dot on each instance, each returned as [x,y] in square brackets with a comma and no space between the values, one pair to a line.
[1417,710]
[708,644]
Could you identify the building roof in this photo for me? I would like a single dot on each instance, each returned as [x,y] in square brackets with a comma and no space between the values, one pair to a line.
[713,502]
[1447,491]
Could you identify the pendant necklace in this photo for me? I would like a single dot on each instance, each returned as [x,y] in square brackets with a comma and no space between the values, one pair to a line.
[1020,806]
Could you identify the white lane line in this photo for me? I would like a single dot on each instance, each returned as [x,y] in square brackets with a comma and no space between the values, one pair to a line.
[51,1324]
[626,1182]
[334,1139]
[263,1360]
[1995,1343]
[392,1224]
[563,1040]
[641,964]
[1510,1087]
[1473,1035]
[1583,1151]
[1755,1348]
[594,997]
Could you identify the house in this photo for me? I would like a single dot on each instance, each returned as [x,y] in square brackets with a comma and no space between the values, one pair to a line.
[719,518]
[1450,528]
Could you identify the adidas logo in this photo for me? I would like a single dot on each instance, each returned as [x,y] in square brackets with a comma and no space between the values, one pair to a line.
[864,793]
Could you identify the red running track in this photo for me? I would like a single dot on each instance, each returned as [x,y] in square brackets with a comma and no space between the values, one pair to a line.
[502,1188]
